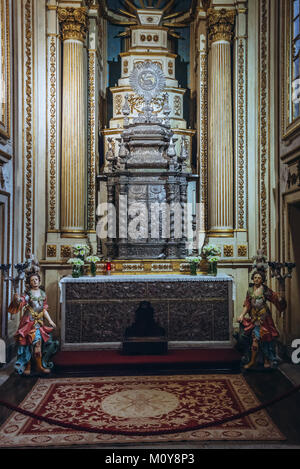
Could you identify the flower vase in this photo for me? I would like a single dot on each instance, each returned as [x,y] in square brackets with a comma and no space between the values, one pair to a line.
[81,267]
[76,271]
[213,268]
[193,268]
[93,269]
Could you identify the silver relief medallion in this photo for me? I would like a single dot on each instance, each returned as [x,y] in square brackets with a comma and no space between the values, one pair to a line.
[147,80]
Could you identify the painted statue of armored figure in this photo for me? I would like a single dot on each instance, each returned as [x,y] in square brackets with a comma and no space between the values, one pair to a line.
[258,330]
[33,336]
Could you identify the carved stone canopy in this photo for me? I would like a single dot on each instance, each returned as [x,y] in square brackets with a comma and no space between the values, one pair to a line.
[73,22]
[220,24]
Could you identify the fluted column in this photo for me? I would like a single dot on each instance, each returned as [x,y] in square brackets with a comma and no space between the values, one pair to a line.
[220,160]
[73,23]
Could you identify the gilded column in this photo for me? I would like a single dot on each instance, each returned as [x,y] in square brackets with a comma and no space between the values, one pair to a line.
[220,161]
[73,23]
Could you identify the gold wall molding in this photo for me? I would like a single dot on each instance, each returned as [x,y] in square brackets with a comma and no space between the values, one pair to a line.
[92,142]
[73,22]
[242,135]
[51,7]
[158,52]
[27,15]
[264,125]
[204,140]
[220,24]
[5,74]
[52,133]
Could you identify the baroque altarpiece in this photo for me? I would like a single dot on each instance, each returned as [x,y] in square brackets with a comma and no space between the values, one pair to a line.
[68,107]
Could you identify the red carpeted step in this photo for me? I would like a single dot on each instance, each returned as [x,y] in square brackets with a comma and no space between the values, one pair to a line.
[104,358]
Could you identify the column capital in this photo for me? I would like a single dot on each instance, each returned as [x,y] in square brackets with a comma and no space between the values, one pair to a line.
[220,24]
[73,22]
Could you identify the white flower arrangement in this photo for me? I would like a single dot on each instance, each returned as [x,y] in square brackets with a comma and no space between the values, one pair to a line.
[193,259]
[210,250]
[76,261]
[213,258]
[81,249]
[93,259]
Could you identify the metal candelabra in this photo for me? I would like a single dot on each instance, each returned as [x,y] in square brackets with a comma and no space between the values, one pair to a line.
[15,280]
[281,271]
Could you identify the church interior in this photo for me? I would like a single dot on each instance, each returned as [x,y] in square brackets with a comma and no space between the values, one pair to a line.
[150,185]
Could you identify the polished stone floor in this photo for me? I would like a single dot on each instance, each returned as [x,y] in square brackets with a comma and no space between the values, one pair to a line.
[266,386]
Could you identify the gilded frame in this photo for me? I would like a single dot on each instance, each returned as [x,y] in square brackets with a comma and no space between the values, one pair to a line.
[288,125]
[5,85]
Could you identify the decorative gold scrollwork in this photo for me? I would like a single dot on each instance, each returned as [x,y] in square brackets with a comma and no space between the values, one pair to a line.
[220,24]
[74,22]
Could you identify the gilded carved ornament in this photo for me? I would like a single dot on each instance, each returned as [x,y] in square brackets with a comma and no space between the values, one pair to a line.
[51,250]
[136,103]
[242,251]
[228,251]
[220,24]
[65,251]
[73,22]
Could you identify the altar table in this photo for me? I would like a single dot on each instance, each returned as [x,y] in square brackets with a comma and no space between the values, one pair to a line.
[194,310]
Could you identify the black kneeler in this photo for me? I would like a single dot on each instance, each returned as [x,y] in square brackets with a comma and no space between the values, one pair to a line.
[145,336]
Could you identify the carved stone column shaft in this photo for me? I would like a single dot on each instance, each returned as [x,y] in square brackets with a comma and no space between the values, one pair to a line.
[220,161]
[73,171]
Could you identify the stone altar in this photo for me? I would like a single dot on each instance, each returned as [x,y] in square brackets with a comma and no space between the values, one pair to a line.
[193,310]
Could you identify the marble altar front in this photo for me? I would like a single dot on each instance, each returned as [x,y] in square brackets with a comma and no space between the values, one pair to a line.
[194,310]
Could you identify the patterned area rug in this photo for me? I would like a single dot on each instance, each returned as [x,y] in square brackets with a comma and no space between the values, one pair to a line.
[143,403]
